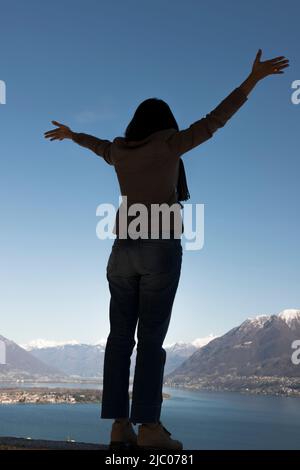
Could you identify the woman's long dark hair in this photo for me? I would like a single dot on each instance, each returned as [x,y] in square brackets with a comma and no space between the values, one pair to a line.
[154,115]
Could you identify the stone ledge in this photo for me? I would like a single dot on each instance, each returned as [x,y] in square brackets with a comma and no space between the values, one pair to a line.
[15,443]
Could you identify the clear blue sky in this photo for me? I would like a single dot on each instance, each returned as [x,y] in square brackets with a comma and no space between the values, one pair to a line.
[89,64]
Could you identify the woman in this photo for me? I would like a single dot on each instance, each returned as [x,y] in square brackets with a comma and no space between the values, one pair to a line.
[144,266]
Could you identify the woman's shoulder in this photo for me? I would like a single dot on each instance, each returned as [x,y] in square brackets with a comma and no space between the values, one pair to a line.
[158,135]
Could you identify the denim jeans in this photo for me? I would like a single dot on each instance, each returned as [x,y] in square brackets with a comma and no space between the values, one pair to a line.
[143,277]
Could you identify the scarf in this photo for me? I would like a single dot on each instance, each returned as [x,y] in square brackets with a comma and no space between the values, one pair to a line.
[182,188]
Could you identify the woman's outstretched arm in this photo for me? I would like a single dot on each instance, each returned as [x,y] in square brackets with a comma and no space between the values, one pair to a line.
[182,141]
[99,146]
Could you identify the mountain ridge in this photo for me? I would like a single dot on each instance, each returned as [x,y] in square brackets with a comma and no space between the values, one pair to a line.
[86,360]
[20,364]
[259,347]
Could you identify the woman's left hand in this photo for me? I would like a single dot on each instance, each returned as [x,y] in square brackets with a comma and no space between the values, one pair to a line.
[274,66]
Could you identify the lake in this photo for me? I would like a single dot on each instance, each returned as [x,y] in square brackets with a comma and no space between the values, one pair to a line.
[201,420]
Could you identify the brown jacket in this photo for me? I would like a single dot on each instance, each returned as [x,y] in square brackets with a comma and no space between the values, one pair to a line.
[147,170]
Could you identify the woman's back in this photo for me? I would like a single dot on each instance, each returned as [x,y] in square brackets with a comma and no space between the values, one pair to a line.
[147,170]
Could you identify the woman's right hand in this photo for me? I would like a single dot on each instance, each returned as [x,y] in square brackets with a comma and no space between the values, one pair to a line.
[60,133]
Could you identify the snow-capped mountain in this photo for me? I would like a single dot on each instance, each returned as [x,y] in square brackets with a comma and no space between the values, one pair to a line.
[197,343]
[86,360]
[44,343]
[291,317]
[80,360]
[260,346]
[200,342]
[256,322]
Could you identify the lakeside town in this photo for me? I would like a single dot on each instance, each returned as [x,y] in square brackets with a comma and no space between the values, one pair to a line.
[253,385]
[48,396]
[11,396]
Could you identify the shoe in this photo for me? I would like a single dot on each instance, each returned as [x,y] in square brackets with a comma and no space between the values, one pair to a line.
[122,436]
[156,437]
